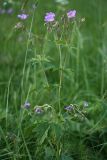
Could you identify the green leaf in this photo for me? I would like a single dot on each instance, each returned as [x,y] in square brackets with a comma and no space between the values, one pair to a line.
[74,126]
[64,157]
[49,152]
[57,130]
[45,135]
[42,132]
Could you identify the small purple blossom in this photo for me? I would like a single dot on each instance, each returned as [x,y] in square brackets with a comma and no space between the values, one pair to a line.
[49,17]
[9,11]
[22,16]
[71,14]
[27,105]
[68,108]
[38,110]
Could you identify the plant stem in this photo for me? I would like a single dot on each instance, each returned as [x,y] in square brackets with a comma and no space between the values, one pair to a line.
[60,76]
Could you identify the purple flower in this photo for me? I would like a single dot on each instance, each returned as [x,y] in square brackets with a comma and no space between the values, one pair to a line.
[38,110]
[50,17]
[27,105]
[9,11]
[71,14]
[68,108]
[22,16]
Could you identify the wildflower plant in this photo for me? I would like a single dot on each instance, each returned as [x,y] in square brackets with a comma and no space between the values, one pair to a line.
[62,30]
[50,121]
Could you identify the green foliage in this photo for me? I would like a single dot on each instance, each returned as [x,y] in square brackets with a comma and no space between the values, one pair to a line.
[53,66]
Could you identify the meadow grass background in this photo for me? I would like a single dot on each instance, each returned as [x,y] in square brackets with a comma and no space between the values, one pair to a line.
[32,65]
